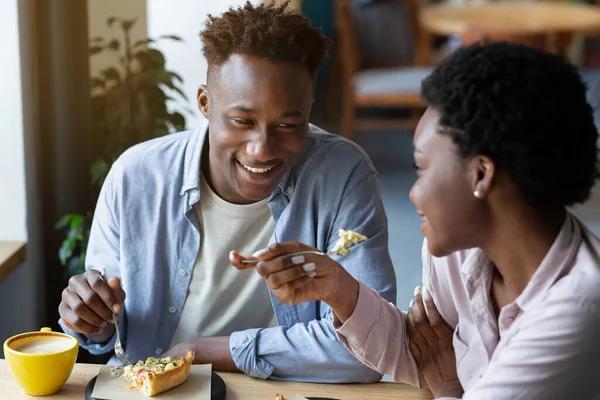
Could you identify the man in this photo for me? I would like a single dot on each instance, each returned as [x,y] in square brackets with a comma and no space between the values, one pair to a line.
[257,172]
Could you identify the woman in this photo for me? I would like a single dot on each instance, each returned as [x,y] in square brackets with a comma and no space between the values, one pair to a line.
[510,305]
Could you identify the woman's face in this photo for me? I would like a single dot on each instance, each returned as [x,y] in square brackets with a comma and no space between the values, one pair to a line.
[453,218]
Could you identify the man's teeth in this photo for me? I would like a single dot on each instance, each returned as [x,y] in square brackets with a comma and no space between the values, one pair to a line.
[257,170]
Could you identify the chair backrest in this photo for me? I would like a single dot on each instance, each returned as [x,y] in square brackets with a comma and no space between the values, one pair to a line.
[375,33]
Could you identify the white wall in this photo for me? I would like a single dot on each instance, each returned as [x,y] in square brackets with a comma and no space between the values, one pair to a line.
[186,19]
[12,170]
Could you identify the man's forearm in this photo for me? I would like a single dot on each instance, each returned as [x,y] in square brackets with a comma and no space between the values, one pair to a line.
[214,350]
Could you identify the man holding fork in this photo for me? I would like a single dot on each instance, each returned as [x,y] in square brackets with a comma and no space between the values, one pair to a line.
[256,173]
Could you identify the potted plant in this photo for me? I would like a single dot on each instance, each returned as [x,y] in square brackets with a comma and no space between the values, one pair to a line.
[129,105]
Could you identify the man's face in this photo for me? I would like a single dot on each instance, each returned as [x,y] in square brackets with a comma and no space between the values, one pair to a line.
[258,114]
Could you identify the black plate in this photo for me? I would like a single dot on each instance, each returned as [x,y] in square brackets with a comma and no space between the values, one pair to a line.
[218,390]
[320,398]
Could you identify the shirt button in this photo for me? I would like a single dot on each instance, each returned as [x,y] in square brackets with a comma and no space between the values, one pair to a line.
[194,192]
[289,190]
[158,351]
[172,310]
[182,272]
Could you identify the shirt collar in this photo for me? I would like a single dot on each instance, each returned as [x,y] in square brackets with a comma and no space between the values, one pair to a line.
[192,158]
[556,262]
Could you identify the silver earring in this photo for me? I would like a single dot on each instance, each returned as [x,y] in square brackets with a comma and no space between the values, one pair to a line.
[477,194]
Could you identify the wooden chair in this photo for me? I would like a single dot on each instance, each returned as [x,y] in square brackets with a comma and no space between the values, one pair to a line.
[377,86]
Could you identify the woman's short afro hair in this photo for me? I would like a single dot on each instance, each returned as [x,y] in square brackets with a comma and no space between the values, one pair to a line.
[524,108]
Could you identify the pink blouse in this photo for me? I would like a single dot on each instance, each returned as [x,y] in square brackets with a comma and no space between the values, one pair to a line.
[545,345]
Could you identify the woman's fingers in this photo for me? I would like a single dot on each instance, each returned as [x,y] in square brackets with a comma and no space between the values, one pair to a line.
[290,275]
[437,323]
[421,319]
[417,344]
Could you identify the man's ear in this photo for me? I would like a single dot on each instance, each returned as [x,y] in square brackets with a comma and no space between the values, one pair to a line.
[203,100]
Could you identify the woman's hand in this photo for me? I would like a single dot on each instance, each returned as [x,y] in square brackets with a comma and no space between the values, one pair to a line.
[431,346]
[306,277]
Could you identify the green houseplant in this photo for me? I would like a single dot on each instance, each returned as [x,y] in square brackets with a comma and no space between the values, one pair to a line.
[129,105]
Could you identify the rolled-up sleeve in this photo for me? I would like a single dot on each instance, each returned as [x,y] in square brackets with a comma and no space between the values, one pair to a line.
[103,250]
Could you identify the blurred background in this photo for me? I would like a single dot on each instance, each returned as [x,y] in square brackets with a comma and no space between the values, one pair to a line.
[84,80]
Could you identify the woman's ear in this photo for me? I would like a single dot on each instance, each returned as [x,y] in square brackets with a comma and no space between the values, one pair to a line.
[485,170]
[203,100]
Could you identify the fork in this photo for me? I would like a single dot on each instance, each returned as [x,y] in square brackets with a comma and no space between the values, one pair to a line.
[319,253]
[119,352]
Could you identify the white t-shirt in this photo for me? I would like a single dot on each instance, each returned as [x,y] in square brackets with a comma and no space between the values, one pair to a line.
[220,299]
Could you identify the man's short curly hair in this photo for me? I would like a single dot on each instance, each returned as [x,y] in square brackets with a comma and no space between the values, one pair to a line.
[524,108]
[266,31]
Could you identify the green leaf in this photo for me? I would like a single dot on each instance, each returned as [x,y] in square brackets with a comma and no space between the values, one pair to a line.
[66,250]
[176,76]
[150,59]
[110,21]
[98,170]
[95,50]
[111,74]
[172,37]
[142,42]
[63,221]
[113,45]
[177,121]
[128,23]
[98,83]
[82,259]
[76,221]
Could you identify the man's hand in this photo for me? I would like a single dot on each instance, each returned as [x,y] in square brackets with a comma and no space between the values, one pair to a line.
[431,346]
[214,350]
[87,303]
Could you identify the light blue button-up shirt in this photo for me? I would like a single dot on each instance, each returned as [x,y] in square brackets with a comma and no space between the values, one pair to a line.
[146,232]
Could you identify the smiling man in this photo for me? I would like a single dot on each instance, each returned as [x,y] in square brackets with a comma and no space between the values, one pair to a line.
[172,210]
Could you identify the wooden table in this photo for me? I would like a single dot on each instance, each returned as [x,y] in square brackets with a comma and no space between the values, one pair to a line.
[239,387]
[504,19]
[12,254]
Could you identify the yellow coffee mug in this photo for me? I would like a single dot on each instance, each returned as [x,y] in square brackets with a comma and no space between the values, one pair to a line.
[41,362]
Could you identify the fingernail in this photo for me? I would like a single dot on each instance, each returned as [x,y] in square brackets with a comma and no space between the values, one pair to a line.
[312,274]
[116,308]
[309,267]
[260,252]
[104,323]
[297,260]
[411,303]
[231,258]
[416,292]
[426,294]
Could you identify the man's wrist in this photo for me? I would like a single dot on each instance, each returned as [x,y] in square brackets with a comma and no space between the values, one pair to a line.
[104,336]
[212,350]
